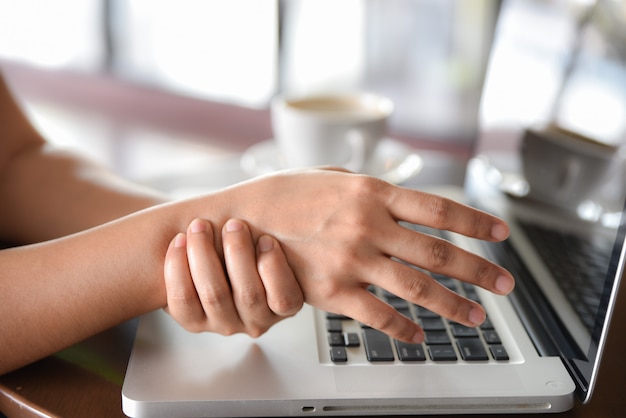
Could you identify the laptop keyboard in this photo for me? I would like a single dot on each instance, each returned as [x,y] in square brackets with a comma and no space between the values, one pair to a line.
[445,341]
[579,265]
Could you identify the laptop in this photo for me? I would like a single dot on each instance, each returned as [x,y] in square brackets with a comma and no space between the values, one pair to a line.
[539,349]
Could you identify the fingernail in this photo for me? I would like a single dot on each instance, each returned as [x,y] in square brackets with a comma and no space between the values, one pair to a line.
[504,284]
[197,225]
[233,225]
[476,316]
[418,337]
[499,232]
[180,240]
[265,243]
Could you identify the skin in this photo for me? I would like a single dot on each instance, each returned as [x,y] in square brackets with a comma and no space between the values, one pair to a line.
[55,194]
[98,250]
[258,290]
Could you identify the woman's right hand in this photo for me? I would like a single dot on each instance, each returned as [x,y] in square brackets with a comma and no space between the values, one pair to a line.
[340,233]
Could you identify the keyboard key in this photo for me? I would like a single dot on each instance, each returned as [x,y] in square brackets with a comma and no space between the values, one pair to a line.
[498,352]
[461,342]
[425,313]
[472,349]
[410,352]
[334,325]
[377,345]
[470,292]
[338,354]
[491,337]
[436,337]
[487,324]
[446,281]
[433,324]
[330,315]
[352,339]
[442,353]
[406,312]
[398,303]
[387,294]
[461,331]
[336,339]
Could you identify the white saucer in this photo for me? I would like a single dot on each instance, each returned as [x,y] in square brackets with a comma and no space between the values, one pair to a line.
[392,161]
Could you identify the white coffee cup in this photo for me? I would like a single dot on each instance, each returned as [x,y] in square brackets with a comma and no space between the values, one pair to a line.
[341,129]
[563,167]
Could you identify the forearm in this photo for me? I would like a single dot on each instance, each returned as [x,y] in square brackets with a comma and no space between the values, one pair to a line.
[46,193]
[49,193]
[73,284]
[59,292]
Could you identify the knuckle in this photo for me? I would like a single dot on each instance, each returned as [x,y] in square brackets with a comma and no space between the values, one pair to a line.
[228,330]
[248,297]
[181,298]
[347,261]
[482,273]
[440,210]
[256,330]
[327,290]
[286,306]
[455,308]
[455,311]
[384,319]
[213,296]
[193,327]
[419,289]
[367,186]
[234,245]
[228,327]
[477,226]
[440,254]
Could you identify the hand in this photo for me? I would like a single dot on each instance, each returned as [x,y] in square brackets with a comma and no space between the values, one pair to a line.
[340,233]
[259,290]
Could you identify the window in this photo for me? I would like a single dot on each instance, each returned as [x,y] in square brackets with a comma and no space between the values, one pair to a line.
[428,56]
[221,50]
[53,34]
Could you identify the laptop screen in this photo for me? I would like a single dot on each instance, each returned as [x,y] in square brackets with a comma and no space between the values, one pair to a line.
[550,160]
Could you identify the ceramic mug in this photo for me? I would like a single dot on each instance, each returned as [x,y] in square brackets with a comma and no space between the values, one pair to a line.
[563,167]
[341,129]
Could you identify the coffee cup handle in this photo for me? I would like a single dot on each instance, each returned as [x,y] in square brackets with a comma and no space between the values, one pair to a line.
[570,172]
[356,141]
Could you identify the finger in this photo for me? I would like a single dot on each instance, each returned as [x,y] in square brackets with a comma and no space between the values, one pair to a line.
[182,300]
[248,291]
[363,306]
[210,280]
[442,213]
[284,296]
[440,256]
[420,288]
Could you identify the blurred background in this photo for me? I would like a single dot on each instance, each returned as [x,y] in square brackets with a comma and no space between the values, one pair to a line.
[428,55]
[208,69]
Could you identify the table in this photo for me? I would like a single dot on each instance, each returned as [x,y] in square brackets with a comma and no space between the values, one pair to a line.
[86,379]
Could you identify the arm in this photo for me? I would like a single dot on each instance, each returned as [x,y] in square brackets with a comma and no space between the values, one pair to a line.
[48,299]
[53,193]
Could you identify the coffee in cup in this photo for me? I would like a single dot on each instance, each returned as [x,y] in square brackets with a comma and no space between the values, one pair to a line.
[341,129]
